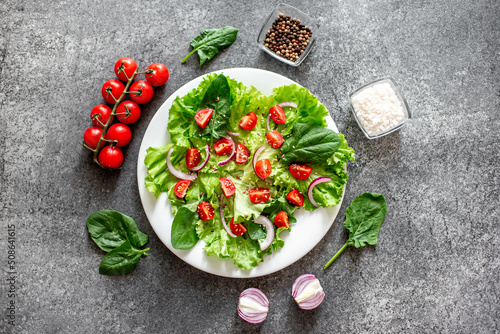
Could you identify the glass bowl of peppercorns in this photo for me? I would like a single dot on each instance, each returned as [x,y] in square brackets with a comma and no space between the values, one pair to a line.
[287,34]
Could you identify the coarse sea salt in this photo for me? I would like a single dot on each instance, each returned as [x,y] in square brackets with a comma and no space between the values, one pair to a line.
[378,108]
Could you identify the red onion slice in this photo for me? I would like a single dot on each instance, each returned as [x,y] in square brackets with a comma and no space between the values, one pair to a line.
[177,173]
[222,163]
[307,292]
[314,184]
[204,163]
[234,134]
[223,219]
[253,306]
[288,104]
[267,122]
[262,220]
[255,156]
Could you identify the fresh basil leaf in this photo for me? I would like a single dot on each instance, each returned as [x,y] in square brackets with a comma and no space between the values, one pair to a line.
[110,229]
[218,98]
[309,143]
[121,260]
[210,41]
[183,233]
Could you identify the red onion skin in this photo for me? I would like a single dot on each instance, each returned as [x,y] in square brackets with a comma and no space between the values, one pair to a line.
[223,219]
[288,104]
[234,134]
[204,163]
[313,184]
[178,174]
[233,152]
[267,122]
[255,156]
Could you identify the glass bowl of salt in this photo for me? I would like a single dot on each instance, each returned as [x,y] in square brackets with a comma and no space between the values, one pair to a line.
[379,108]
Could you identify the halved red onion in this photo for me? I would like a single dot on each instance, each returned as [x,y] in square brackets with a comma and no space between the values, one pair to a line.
[313,184]
[204,163]
[307,292]
[223,219]
[288,104]
[234,134]
[177,173]
[222,163]
[267,122]
[262,220]
[253,306]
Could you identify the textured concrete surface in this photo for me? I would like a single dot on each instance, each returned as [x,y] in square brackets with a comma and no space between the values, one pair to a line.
[436,267]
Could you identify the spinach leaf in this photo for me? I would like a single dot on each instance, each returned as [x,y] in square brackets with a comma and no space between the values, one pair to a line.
[281,204]
[121,260]
[255,232]
[209,42]
[309,143]
[110,229]
[183,233]
[364,217]
[218,98]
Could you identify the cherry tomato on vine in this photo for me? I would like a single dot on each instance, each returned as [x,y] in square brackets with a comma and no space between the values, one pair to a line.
[263,168]
[237,228]
[141,92]
[300,172]
[295,197]
[128,112]
[119,132]
[100,115]
[181,187]
[249,121]
[110,156]
[278,114]
[275,139]
[227,186]
[202,117]
[241,154]
[281,220]
[112,88]
[223,146]
[206,211]
[259,195]
[91,137]
[157,74]
[125,68]
[193,157]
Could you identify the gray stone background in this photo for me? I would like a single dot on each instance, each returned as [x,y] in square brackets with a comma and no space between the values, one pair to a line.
[436,267]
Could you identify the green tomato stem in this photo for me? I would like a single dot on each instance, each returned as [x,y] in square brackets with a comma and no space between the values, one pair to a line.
[335,256]
[189,55]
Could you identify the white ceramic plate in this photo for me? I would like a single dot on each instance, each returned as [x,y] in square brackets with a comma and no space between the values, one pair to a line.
[310,228]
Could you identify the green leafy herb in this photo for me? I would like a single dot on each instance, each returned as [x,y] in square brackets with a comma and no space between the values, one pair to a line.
[210,41]
[309,143]
[255,232]
[364,217]
[183,235]
[121,260]
[218,98]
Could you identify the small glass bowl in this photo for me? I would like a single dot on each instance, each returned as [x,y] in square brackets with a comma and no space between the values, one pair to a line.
[293,12]
[399,95]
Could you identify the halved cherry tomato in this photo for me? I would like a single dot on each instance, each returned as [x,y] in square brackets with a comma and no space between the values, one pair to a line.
[281,220]
[202,117]
[206,211]
[227,186]
[223,146]
[193,157]
[249,121]
[263,168]
[259,195]
[237,228]
[278,114]
[295,197]
[241,154]
[181,188]
[300,172]
[274,138]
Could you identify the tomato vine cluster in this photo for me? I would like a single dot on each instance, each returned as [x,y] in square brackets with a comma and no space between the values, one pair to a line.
[105,138]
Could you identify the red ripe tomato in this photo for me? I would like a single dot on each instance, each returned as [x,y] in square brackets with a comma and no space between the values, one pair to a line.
[300,172]
[125,69]
[223,146]
[100,115]
[237,228]
[141,92]
[181,187]
[193,157]
[121,133]
[295,197]
[157,74]
[249,121]
[241,154]
[275,139]
[281,220]
[112,90]
[205,211]
[111,157]
[278,114]
[263,168]
[227,186]
[128,112]
[259,195]
[91,137]
[202,117]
